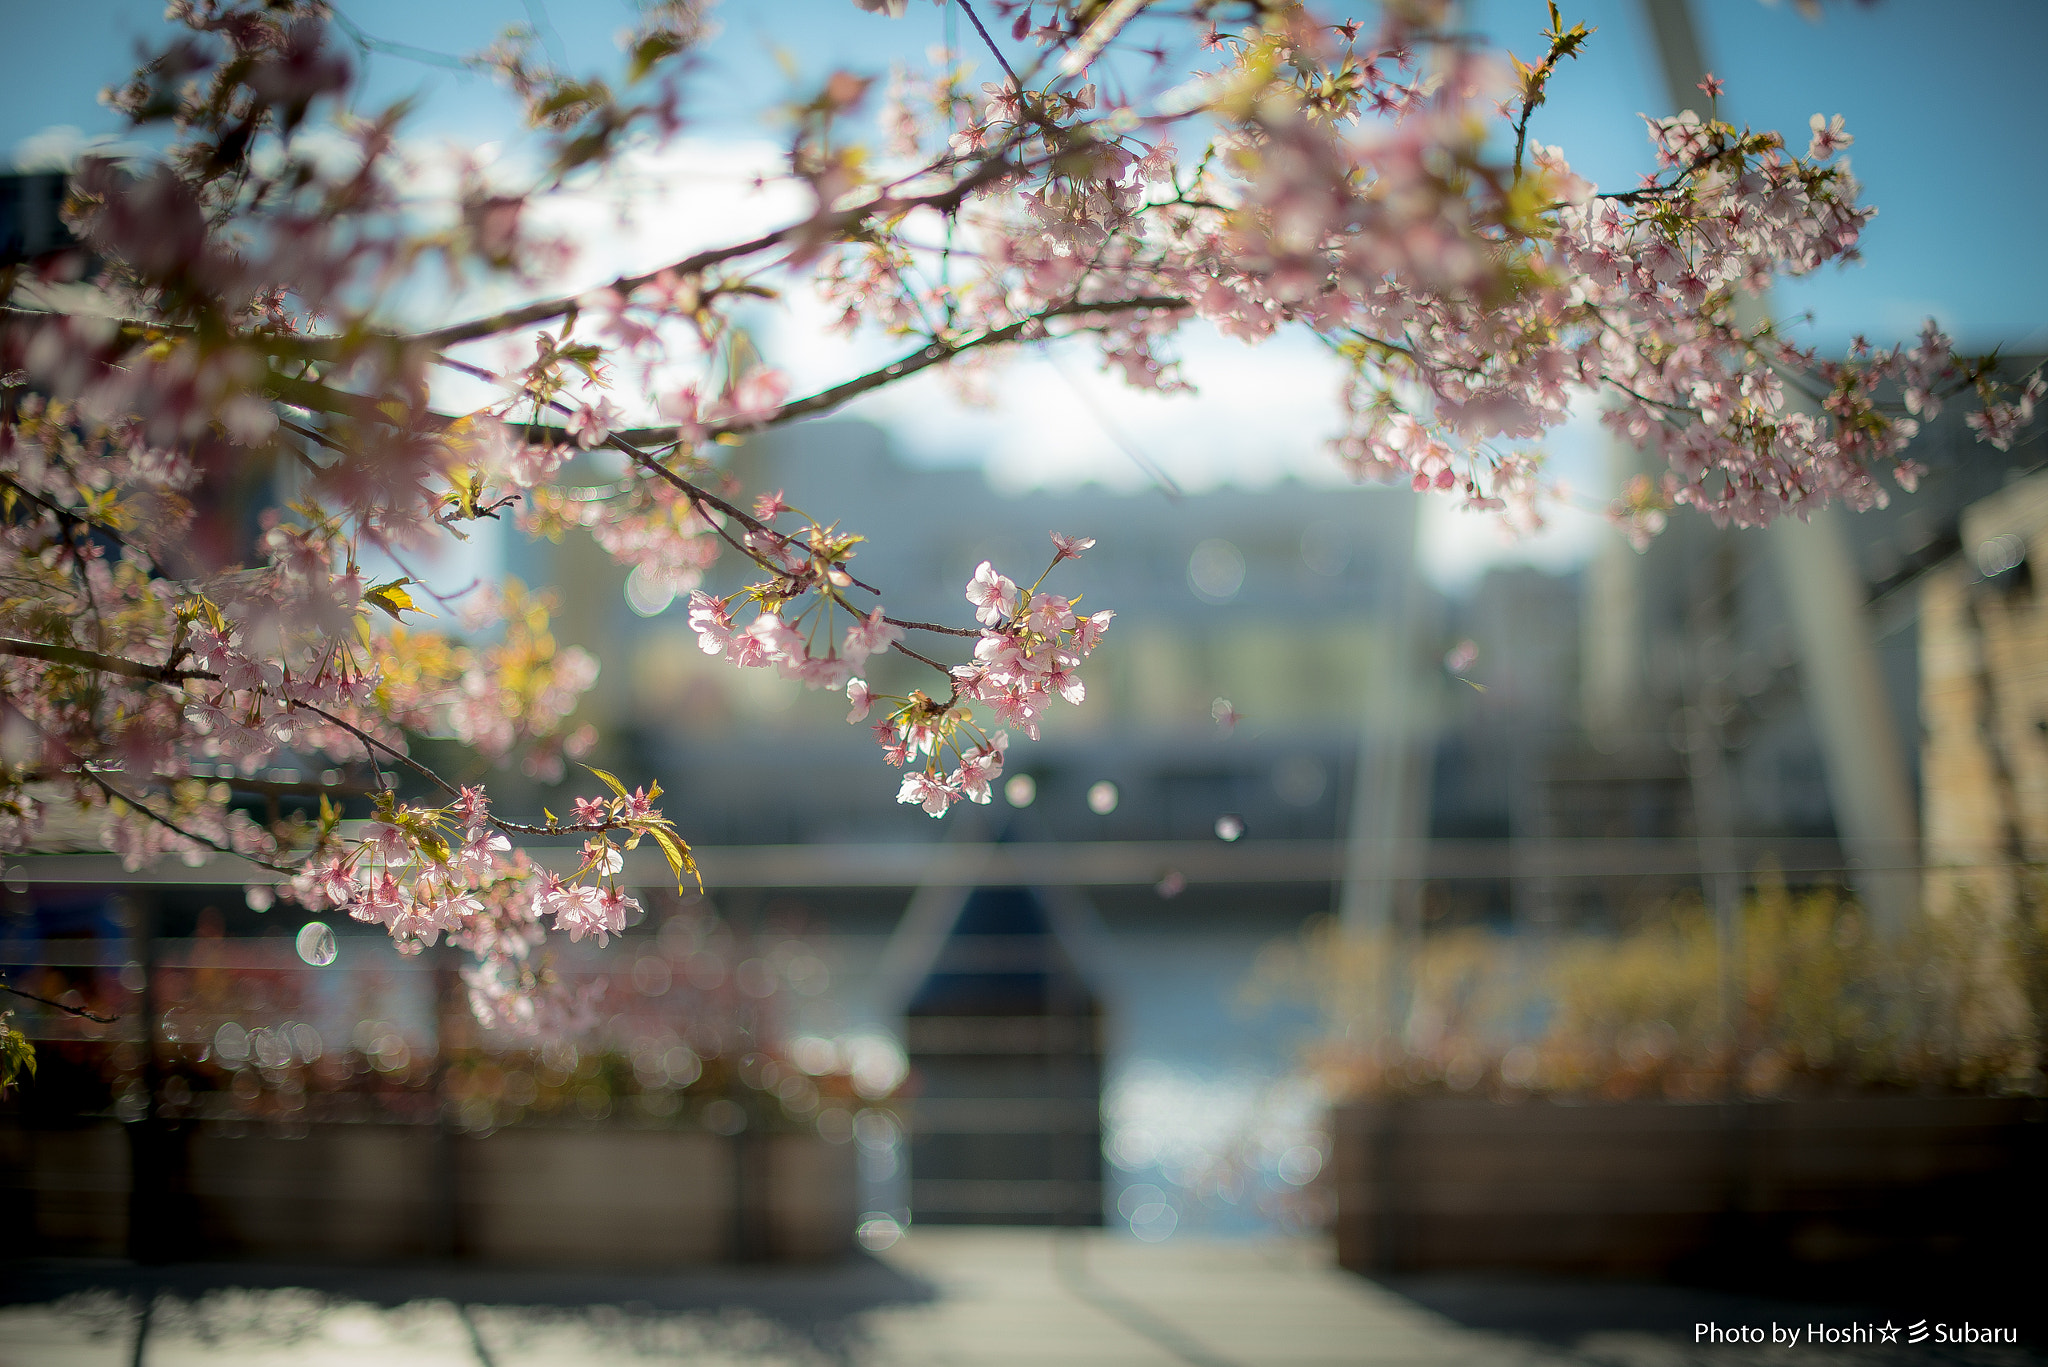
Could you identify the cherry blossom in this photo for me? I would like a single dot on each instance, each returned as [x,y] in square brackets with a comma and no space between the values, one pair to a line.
[234,309]
[992,594]
[931,791]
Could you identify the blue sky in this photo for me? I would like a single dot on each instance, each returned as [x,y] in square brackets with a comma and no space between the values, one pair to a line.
[1942,97]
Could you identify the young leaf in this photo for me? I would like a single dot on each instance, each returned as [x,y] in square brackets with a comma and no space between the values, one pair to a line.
[391,597]
[610,782]
[17,1056]
[678,854]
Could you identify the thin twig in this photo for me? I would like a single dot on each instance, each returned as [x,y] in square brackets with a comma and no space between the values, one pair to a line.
[1001,60]
[902,649]
[94,660]
[930,626]
[64,514]
[85,772]
[933,353]
[73,1010]
[545,310]
[370,741]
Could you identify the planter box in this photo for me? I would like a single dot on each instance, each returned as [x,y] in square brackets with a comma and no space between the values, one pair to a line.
[66,1190]
[597,1197]
[594,1197]
[1665,1187]
[337,1191]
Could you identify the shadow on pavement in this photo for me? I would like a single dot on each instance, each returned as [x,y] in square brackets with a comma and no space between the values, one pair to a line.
[788,1313]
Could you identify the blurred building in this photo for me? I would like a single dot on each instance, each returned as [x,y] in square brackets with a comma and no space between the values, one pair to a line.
[1710,696]
[1984,699]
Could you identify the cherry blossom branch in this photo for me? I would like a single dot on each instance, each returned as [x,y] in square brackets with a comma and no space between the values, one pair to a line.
[1679,176]
[646,460]
[509,827]
[64,514]
[94,660]
[80,563]
[70,1010]
[903,649]
[930,626]
[313,434]
[833,225]
[705,496]
[371,743]
[86,772]
[1490,307]
[997,52]
[935,353]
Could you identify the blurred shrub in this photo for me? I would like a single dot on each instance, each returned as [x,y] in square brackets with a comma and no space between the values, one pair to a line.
[688,1030]
[1808,1000]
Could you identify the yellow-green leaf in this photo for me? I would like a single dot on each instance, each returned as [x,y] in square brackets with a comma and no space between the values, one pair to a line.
[609,781]
[678,852]
[392,597]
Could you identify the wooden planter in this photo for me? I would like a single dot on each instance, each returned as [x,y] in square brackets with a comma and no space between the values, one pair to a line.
[564,1197]
[1651,1188]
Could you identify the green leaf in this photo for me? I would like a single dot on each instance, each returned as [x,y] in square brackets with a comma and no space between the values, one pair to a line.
[610,782]
[678,852]
[649,52]
[392,597]
[17,1056]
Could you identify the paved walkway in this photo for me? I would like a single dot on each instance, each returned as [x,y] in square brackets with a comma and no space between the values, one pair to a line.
[941,1298]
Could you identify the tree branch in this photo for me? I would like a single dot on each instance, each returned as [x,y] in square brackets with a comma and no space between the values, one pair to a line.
[86,772]
[64,514]
[372,744]
[825,225]
[930,626]
[1001,60]
[73,1010]
[105,664]
[935,353]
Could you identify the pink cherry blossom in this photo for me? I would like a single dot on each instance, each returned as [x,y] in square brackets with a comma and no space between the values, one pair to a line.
[1828,137]
[1051,613]
[1092,629]
[711,621]
[590,424]
[1365,185]
[980,767]
[933,793]
[994,596]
